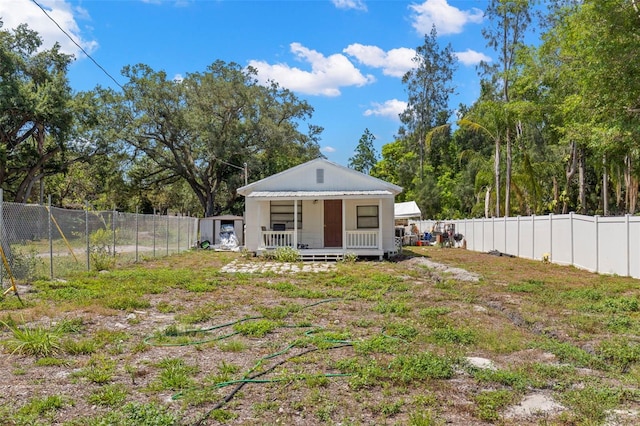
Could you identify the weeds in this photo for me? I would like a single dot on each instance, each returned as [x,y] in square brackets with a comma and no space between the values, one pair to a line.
[175,375]
[99,370]
[257,328]
[36,341]
[591,402]
[283,254]
[108,395]
[489,403]
[139,414]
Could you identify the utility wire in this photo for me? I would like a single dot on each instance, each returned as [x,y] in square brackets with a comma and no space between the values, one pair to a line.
[79,47]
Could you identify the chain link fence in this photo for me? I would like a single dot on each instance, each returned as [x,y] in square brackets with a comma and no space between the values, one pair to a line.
[50,242]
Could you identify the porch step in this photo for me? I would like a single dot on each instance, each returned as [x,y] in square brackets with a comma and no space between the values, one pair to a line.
[321,257]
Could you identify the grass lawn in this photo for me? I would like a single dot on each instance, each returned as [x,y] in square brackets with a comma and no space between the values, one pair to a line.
[180,341]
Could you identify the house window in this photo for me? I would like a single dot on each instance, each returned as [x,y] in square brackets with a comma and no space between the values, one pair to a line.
[282,214]
[367,217]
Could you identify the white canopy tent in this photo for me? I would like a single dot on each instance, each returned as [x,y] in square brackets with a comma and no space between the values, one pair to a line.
[407,210]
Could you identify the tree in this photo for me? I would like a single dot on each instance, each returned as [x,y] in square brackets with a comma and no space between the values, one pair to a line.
[428,89]
[509,20]
[365,157]
[203,128]
[36,114]
[590,48]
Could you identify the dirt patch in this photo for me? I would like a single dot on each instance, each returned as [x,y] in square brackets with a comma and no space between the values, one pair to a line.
[452,271]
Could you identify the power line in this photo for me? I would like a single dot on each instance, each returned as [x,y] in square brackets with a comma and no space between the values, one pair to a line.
[79,47]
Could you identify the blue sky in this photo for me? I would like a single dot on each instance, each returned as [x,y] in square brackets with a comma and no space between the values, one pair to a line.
[345,57]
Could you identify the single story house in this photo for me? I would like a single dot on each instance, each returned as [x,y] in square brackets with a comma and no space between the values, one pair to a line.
[323,210]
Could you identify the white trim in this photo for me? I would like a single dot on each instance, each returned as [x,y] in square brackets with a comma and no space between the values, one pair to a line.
[325,195]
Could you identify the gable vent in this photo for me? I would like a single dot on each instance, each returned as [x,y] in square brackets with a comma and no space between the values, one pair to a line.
[319,175]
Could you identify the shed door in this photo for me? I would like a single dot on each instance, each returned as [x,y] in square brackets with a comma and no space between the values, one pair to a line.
[333,223]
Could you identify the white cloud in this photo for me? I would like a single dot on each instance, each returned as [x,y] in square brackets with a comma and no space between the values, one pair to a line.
[390,109]
[350,4]
[328,149]
[178,78]
[471,57]
[447,19]
[16,12]
[328,73]
[395,62]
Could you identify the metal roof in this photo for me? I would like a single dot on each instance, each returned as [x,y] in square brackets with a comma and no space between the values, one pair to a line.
[321,194]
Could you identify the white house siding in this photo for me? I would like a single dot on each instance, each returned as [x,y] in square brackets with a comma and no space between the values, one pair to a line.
[301,183]
[303,178]
[312,231]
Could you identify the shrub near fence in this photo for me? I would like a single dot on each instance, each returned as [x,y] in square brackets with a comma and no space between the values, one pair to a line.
[609,245]
[41,241]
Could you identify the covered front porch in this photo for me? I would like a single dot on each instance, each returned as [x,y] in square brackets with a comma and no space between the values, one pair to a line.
[322,229]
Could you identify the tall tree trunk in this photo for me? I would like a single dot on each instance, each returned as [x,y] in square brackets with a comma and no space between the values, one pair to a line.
[556,196]
[619,192]
[24,189]
[496,170]
[569,173]
[487,201]
[582,193]
[631,186]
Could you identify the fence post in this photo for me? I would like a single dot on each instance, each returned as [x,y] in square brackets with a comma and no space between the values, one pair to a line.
[626,220]
[86,231]
[518,236]
[136,234]
[50,240]
[533,236]
[571,243]
[167,233]
[179,223]
[505,234]
[154,232]
[493,232]
[2,235]
[113,228]
[597,242]
[188,230]
[550,237]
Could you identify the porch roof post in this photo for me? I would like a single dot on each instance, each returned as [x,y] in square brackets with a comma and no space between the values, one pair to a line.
[261,242]
[344,227]
[295,223]
[380,210]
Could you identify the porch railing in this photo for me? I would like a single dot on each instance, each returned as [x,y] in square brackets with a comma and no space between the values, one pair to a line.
[362,239]
[355,239]
[271,239]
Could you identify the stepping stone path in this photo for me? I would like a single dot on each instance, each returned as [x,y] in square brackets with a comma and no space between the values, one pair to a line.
[276,267]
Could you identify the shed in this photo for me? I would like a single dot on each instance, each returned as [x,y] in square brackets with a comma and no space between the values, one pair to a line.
[212,227]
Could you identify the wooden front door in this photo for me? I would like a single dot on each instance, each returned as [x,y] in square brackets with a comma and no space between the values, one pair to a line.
[333,223]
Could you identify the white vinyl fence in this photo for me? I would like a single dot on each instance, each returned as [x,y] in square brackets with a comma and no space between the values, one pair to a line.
[609,245]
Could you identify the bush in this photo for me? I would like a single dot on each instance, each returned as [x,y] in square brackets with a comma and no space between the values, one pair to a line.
[24,263]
